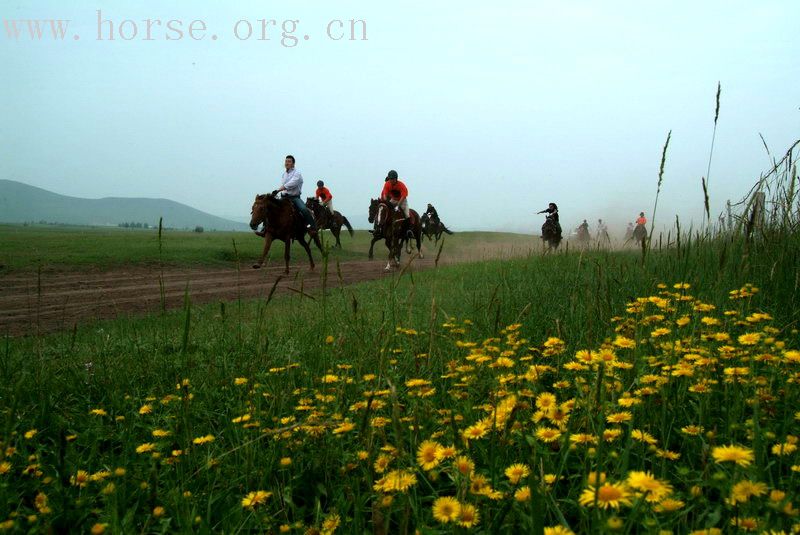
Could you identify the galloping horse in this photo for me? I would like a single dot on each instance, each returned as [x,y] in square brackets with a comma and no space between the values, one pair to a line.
[327,220]
[640,234]
[551,233]
[433,229]
[388,223]
[281,222]
[583,236]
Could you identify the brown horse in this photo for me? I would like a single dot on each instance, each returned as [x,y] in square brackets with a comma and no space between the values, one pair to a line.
[327,220]
[281,222]
[389,224]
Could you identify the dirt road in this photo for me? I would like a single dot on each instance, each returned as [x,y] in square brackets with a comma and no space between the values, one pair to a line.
[31,304]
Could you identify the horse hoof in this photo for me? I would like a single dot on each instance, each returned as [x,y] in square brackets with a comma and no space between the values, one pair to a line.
[256,266]
[421,255]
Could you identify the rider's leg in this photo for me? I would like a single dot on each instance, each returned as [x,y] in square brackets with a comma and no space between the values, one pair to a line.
[404,208]
[328,205]
[305,212]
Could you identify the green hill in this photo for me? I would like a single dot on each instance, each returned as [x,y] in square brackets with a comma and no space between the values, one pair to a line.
[20,203]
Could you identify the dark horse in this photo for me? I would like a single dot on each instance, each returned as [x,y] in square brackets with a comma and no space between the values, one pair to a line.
[388,224]
[583,236]
[327,220]
[640,234]
[551,233]
[281,222]
[433,228]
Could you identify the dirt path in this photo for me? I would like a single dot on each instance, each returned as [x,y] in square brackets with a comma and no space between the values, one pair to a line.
[31,305]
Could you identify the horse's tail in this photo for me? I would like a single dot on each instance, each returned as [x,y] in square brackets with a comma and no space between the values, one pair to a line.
[347,224]
[447,230]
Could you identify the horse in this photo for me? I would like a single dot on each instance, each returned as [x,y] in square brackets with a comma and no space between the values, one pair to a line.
[327,220]
[282,222]
[583,236]
[433,228]
[388,224]
[640,234]
[551,233]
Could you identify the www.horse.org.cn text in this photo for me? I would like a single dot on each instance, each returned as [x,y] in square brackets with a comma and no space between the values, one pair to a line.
[287,33]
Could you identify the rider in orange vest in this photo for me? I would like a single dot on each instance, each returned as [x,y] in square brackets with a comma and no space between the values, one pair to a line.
[324,196]
[396,193]
[641,220]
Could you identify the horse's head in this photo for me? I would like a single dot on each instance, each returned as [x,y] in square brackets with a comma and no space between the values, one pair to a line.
[373,210]
[258,214]
[313,204]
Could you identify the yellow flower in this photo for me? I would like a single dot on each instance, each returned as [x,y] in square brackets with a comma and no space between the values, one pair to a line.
[624,343]
[330,523]
[478,430]
[255,499]
[611,495]
[99,529]
[654,490]
[464,465]
[158,511]
[669,505]
[145,448]
[160,433]
[396,481]
[30,434]
[286,461]
[516,472]
[146,409]
[744,490]
[5,467]
[239,381]
[344,427]
[427,456]
[329,339]
[446,509]
[468,516]
[98,412]
[737,454]
[749,339]
[204,440]
[547,434]
[558,530]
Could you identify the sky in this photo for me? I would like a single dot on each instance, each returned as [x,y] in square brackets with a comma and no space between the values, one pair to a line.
[489,111]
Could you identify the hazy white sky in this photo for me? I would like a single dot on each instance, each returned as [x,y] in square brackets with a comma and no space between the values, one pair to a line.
[487,110]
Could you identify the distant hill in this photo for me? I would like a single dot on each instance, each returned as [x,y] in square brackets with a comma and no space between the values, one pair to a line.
[20,203]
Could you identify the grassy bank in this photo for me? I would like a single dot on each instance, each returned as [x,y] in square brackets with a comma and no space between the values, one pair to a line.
[369,406]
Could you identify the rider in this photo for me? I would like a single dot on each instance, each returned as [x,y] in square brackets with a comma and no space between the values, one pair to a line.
[641,220]
[602,231]
[584,227]
[433,215]
[551,211]
[292,185]
[324,196]
[396,193]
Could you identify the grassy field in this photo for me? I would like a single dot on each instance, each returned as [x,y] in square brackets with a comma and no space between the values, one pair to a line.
[480,396]
[59,248]
[585,392]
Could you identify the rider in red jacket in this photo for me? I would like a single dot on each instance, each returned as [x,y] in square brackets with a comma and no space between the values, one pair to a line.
[396,193]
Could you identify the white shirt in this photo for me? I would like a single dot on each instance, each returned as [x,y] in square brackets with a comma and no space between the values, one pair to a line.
[292,180]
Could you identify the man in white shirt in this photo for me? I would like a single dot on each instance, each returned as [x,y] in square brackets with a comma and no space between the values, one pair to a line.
[292,186]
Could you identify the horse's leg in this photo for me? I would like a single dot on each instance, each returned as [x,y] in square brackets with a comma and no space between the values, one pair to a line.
[418,237]
[265,252]
[287,247]
[372,245]
[336,230]
[308,251]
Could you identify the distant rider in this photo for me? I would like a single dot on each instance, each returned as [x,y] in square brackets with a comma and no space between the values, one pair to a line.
[602,231]
[292,185]
[433,215]
[324,196]
[641,220]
